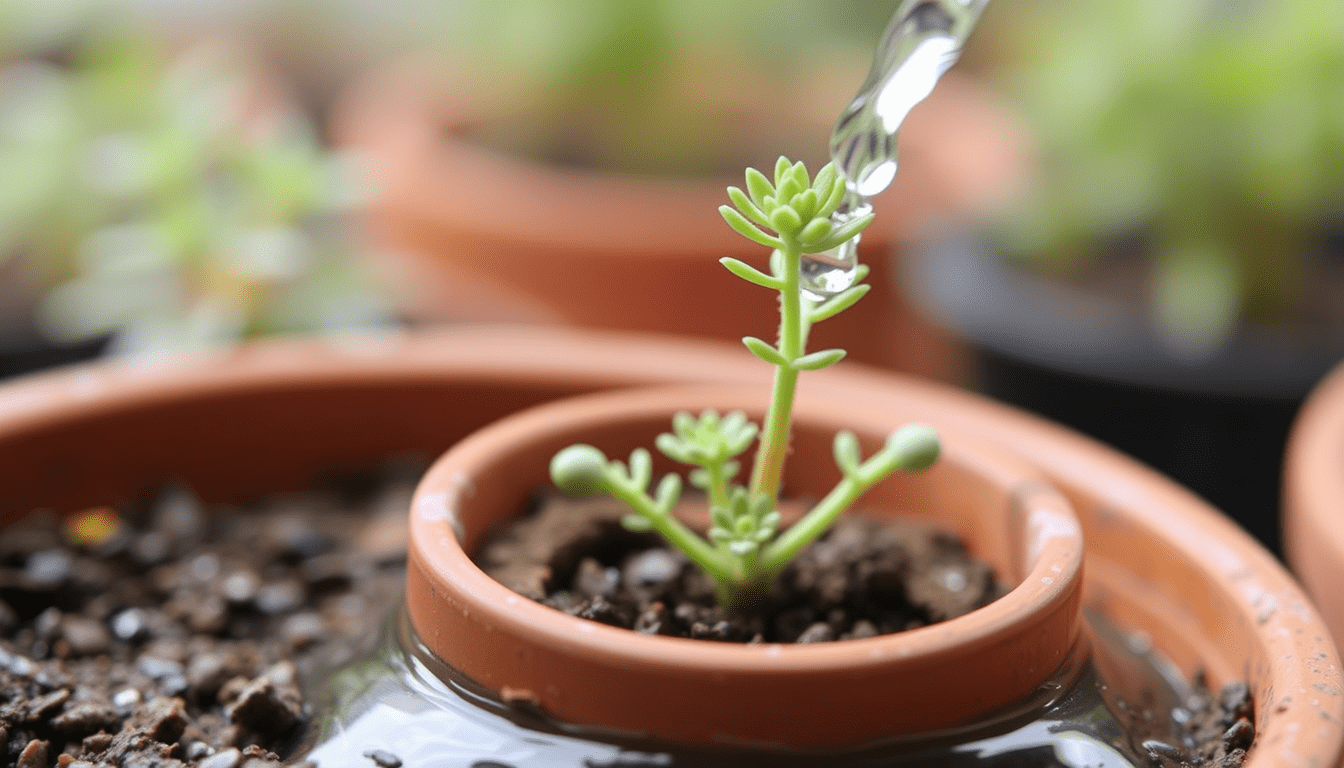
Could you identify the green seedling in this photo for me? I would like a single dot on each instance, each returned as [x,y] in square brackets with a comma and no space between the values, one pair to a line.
[745,549]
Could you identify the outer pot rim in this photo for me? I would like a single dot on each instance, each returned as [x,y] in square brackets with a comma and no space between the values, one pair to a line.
[1313,497]
[1024,625]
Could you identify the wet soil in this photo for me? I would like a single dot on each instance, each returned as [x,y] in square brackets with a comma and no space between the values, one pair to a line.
[863,578]
[171,634]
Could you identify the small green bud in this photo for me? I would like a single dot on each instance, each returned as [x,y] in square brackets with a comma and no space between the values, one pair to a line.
[579,470]
[917,446]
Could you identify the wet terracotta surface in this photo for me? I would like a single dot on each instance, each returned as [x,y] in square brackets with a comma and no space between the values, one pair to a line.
[268,417]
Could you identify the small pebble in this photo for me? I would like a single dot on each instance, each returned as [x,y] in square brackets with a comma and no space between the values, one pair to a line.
[228,758]
[204,567]
[594,580]
[206,673]
[157,668]
[863,628]
[47,569]
[819,632]
[16,664]
[167,720]
[264,708]
[199,750]
[130,625]
[85,637]
[1239,736]
[1235,699]
[279,596]
[652,566]
[43,707]
[303,630]
[34,755]
[126,698]
[240,587]
[383,758]
[87,718]
[150,548]
[97,742]
[209,615]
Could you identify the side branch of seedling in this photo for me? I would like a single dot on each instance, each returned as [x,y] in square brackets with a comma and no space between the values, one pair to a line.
[793,216]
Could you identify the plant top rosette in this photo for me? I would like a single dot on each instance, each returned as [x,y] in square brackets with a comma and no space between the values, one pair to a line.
[745,549]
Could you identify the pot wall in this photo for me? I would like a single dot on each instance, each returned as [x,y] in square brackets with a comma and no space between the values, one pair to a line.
[1313,499]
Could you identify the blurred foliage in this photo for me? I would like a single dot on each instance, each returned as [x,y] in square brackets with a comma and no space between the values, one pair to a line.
[1209,131]
[650,86]
[168,196]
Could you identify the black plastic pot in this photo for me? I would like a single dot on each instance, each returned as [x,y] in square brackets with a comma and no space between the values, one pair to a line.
[25,351]
[1217,425]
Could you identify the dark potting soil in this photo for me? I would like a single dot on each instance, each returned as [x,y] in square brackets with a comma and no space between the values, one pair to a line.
[863,578]
[170,634]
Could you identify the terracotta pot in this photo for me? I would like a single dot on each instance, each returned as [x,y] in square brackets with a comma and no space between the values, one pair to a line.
[691,691]
[1313,498]
[476,234]
[267,417]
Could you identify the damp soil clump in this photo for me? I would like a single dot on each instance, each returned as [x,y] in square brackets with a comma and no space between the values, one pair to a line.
[865,577]
[171,633]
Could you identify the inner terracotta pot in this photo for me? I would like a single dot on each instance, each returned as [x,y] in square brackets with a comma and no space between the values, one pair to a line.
[703,692]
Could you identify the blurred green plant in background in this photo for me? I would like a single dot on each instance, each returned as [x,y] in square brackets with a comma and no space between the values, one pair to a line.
[167,196]
[652,86]
[1207,136]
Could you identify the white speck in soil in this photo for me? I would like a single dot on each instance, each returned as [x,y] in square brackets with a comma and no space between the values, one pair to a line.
[383,758]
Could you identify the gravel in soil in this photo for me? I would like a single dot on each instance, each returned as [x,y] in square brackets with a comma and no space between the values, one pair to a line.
[172,634]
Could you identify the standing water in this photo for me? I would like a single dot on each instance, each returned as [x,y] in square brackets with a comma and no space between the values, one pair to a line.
[922,41]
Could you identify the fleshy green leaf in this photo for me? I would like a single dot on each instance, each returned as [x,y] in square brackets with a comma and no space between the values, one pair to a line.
[747,207]
[636,523]
[818,360]
[782,167]
[783,219]
[815,230]
[764,351]
[669,489]
[843,233]
[750,273]
[759,187]
[834,196]
[641,467]
[839,302]
[743,548]
[746,229]
[805,203]
[824,182]
[846,450]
